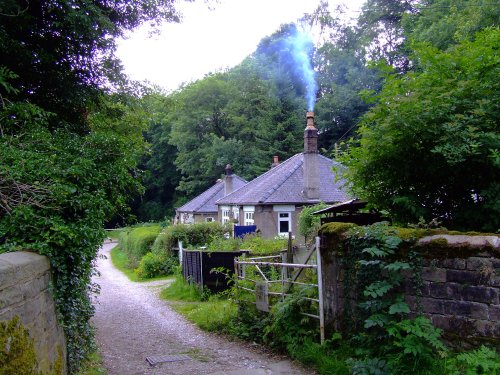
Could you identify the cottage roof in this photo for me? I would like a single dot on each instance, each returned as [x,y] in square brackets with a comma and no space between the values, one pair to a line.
[284,184]
[205,202]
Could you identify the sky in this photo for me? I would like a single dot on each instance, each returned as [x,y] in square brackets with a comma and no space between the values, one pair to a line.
[208,40]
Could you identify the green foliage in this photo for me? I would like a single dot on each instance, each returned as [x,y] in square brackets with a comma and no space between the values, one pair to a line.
[120,260]
[288,329]
[253,242]
[308,224]
[17,353]
[137,242]
[444,23]
[69,149]
[199,234]
[427,149]
[154,264]
[213,315]
[483,360]
[93,365]
[180,290]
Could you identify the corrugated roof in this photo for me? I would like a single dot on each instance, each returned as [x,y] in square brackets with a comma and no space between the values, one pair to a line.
[284,184]
[205,202]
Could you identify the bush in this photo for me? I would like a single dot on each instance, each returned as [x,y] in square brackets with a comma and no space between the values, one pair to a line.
[308,224]
[153,265]
[198,234]
[137,242]
[255,243]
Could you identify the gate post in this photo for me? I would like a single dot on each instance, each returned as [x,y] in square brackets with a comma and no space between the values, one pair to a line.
[329,278]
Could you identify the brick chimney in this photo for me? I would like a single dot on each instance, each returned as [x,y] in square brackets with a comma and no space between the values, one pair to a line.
[311,167]
[276,161]
[228,180]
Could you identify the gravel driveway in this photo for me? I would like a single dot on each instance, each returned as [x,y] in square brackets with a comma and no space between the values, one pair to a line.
[133,323]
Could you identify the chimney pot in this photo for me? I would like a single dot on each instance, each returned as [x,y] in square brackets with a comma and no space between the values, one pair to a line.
[275,161]
[228,170]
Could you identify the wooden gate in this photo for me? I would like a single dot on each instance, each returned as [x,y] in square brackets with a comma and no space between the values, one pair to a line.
[270,279]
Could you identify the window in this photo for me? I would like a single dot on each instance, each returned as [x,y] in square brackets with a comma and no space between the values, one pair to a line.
[249,218]
[284,222]
[236,213]
[225,215]
[209,219]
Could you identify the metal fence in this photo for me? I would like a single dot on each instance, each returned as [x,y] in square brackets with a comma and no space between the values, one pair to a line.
[271,278]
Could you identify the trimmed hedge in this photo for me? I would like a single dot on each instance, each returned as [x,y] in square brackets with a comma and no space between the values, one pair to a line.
[137,242]
[199,234]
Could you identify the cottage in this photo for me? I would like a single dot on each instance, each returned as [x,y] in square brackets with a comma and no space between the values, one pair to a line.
[273,200]
[203,208]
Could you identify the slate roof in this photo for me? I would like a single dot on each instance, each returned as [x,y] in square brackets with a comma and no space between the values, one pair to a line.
[205,202]
[284,184]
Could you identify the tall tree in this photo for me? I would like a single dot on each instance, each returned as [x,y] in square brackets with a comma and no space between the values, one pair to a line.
[429,148]
[444,23]
[68,149]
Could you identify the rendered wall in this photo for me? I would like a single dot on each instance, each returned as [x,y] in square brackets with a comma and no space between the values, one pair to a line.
[24,291]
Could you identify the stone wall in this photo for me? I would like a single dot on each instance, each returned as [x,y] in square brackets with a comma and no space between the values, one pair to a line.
[460,291]
[461,295]
[24,291]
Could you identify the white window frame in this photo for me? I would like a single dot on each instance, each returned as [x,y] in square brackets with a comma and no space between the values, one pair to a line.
[224,214]
[288,219]
[249,218]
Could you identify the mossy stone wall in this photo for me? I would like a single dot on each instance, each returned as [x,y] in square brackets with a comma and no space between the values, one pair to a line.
[24,292]
[460,291]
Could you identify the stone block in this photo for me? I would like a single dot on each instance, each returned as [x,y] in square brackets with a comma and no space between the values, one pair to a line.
[466,277]
[494,313]
[479,263]
[434,274]
[446,290]
[454,263]
[26,264]
[10,296]
[472,310]
[410,288]
[480,294]
[485,328]
[432,306]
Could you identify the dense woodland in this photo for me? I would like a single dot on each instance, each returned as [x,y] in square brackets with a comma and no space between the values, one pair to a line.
[245,115]
[407,98]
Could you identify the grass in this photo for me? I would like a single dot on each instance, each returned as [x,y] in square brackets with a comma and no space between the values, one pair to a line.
[93,366]
[121,262]
[212,315]
[115,233]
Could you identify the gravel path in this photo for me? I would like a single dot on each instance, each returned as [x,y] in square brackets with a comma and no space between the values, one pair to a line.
[133,323]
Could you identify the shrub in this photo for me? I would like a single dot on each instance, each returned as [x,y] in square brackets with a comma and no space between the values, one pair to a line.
[263,246]
[153,265]
[137,242]
[308,224]
[191,235]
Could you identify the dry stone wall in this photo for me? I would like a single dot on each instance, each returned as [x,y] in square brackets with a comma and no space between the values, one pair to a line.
[459,293]
[24,291]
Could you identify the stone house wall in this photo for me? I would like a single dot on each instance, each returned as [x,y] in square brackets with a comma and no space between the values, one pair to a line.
[24,291]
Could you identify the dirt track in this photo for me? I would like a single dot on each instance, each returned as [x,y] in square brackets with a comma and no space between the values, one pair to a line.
[133,323]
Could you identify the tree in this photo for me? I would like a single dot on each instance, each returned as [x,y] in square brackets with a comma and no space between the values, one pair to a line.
[429,148]
[69,149]
[444,23]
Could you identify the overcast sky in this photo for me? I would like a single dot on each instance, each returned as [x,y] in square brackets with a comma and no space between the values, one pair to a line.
[208,40]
